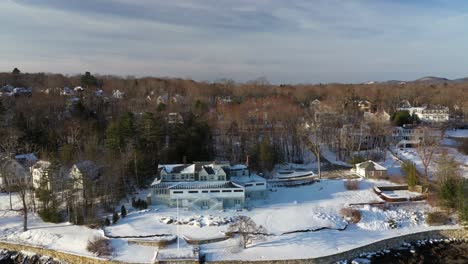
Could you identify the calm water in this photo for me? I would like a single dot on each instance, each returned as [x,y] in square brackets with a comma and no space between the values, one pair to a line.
[440,253]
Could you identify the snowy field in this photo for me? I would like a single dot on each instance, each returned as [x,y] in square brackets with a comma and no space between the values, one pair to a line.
[303,210]
[412,155]
[64,237]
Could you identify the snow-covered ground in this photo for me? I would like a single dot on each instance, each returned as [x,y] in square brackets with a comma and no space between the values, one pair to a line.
[286,210]
[412,155]
[63,237]
[304,208]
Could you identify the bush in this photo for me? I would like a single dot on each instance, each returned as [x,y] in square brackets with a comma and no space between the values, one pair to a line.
[115,217]
[139,204]
[351,215]
[392,223]
[50,215]
[411,173]
[107,222]
[99,246]
[437,218]
[123,211]
[351,184]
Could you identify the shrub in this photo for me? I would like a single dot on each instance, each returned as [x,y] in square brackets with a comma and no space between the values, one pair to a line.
[437,218]
[50,215]
[392,223]
[107,221]
[115,217]
[351,184]
[139,204]
[351,215]
[123,211]
[411,173]
[99,246]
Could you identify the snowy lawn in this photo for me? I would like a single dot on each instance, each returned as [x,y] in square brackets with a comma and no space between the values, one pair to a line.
[286,210]
[63,237]
[412,155]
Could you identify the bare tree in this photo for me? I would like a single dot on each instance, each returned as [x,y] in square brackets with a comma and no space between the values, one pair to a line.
[23,189]
[426,148]
[247,229]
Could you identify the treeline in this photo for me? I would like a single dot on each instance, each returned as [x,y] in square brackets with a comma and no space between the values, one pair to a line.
[130,135]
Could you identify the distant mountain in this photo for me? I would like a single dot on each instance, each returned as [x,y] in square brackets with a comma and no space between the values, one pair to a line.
[461,80]
[432,79]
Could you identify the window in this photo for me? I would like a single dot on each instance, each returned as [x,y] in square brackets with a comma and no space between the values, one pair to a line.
[237,201]
[204,191]
[227,191]
[248,185]
[259,184]
[214,191]
[178,192]
[192,191]
[238,190]
[204,203]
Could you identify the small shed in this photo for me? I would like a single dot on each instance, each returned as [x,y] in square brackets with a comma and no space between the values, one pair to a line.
[370,169]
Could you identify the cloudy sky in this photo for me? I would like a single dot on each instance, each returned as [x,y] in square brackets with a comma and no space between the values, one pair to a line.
[293,41]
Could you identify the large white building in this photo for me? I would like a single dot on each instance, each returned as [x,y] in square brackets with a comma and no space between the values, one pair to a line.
[206,186]
[427,113]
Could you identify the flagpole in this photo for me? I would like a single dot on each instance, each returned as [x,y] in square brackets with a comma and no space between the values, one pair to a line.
[177,224]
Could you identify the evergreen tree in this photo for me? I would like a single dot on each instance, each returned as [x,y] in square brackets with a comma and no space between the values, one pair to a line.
[123,211]
[411,173]
[266,154]
[449,181]
[88,80]
[114,140]
[127,126]
[16,71]
[107,221]
[115,217]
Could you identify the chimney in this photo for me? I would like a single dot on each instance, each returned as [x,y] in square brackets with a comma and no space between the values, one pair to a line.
[247,161]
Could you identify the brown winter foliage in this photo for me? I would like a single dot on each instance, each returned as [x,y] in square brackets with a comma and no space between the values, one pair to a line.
[351,185]
[99,246]
[350,214]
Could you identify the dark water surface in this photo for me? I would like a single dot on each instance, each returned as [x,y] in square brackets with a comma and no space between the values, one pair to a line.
[438,252]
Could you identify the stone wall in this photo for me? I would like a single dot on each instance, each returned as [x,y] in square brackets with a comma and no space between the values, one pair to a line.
[57,255]
[350,254]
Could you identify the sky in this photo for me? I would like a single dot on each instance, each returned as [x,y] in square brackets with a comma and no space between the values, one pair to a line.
[293,41]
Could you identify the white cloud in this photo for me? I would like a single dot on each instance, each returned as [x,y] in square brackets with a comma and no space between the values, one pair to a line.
[293,41]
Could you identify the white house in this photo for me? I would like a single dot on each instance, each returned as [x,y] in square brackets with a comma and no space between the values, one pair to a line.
[370,169]
[40,173]
[84,177]
[13,171]
[427,113]
[407,136]
[206,186]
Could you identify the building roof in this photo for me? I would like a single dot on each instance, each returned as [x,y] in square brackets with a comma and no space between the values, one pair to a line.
[178,168]
[209,170]
[194,185]
[247,179]
[238,167]
[371,166]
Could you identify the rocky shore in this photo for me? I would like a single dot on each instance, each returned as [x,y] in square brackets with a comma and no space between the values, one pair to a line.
[20,257]
[423,251]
